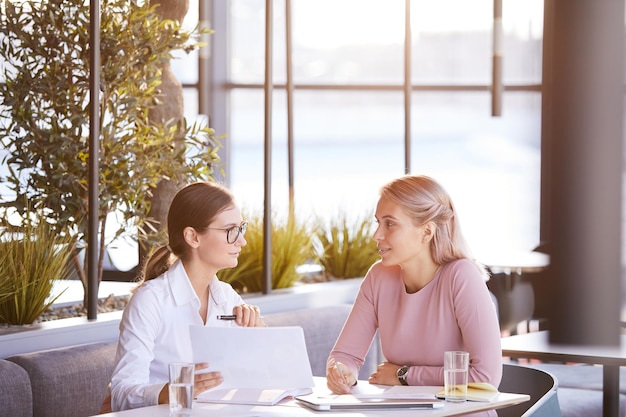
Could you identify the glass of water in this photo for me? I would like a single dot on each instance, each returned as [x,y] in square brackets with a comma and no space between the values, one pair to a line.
[181,389]
[455,366]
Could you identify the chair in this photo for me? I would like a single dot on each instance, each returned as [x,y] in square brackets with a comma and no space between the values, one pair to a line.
[540,385]
[516,298]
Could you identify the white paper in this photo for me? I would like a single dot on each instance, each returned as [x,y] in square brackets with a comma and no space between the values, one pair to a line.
[366,396]
[252,396]
[253,358]
[395,391]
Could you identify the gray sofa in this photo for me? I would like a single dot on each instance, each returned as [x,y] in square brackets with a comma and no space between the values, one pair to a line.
[72,381]
[16,398]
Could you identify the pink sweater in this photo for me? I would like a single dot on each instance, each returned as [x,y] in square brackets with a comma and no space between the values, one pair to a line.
[453,312]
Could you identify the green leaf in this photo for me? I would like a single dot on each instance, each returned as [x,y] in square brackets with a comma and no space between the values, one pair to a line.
[46,97]
[34,256]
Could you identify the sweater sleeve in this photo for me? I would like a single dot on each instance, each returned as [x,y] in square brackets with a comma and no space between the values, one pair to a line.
[478,323]
[358,331]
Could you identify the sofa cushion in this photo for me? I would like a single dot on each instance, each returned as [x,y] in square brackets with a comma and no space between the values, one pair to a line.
[70,381]
[15,391]
[321,327]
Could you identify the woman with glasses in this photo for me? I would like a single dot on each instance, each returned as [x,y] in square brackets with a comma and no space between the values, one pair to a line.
[180,288]
[424,296]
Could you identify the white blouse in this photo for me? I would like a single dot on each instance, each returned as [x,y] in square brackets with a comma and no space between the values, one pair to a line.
[154,331]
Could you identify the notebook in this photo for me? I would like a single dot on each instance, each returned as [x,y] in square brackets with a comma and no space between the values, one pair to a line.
[260,365]
[351,402]
[477,391]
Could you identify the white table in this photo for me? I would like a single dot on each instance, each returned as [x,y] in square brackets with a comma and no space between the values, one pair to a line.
[515,295]
[536,345]
[518,262]
[291,408]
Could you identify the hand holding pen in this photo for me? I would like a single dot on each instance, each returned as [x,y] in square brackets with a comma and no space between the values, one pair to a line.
[339,378]
[245,315]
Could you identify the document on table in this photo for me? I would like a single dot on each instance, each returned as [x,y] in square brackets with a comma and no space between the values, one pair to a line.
[367,396]
[260,365]
[367,390]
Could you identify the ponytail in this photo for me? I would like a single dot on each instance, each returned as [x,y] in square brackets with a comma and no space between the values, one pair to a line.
[158,263]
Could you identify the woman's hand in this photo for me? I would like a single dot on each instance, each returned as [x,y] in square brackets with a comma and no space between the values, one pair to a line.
[248,316]
[386,374]
[339,378]
[203,381]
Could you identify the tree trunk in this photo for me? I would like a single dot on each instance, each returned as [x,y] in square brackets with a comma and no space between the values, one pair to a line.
[172,107]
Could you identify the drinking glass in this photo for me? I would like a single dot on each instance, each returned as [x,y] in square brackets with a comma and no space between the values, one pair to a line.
[455,366]
[181,389]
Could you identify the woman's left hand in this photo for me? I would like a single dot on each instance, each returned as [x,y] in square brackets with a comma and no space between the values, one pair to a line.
[248,316]
[205,380]
[386,374]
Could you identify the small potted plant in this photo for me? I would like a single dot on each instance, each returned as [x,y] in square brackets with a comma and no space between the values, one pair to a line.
[344,247]
[34,256]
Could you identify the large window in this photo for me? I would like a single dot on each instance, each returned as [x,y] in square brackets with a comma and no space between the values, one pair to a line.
[349,107]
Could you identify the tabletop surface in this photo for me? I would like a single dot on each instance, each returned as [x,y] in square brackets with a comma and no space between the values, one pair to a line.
[499,261]
[537,345]
[291,408]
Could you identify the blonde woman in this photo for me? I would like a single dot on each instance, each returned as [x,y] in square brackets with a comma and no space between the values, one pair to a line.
[425,296]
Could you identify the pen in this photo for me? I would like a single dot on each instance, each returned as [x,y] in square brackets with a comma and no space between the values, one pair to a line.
[343,378]
[230,317]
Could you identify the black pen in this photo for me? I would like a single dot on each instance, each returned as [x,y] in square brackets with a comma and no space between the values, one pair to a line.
[227,317]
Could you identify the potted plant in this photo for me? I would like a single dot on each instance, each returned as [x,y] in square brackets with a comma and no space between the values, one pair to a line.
[33,256]
[45,94]
[291,247]
[344,247]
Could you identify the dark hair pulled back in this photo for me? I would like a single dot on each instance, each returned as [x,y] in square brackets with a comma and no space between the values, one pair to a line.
[196,205]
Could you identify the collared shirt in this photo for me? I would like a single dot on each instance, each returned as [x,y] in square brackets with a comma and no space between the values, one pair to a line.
[154,331]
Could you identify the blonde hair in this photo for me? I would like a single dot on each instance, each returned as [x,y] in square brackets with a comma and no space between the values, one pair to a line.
[425,200]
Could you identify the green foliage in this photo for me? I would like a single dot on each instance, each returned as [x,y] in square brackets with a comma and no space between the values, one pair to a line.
[291,247]
[33,256]
[6,289]
[345,248]
[45,48]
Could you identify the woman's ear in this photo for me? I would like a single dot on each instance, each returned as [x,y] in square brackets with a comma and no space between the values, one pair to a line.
[429,232]
[191,236]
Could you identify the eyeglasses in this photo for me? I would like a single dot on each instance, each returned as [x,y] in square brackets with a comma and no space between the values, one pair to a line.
[232,233]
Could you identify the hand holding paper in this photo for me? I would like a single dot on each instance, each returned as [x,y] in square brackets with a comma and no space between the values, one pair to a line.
[260,365]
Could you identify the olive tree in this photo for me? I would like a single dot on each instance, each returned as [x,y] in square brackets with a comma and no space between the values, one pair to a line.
[44,103]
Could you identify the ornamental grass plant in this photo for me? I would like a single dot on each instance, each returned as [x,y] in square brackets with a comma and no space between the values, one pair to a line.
[291,247]
[344,245]
[33,257]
